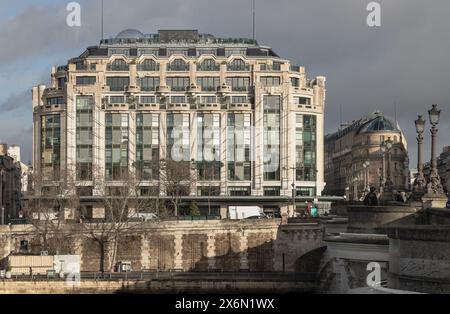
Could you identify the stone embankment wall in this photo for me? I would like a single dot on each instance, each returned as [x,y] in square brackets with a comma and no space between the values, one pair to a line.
[254,245]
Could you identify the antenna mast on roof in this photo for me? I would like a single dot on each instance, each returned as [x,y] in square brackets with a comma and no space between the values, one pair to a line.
[103,37]
[254,17]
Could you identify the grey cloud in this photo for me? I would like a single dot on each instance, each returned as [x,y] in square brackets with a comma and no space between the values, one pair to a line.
[405,61]
[16,101]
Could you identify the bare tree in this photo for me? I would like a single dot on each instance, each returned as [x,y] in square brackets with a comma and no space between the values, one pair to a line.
[118,209]
[177,179]
[47,211]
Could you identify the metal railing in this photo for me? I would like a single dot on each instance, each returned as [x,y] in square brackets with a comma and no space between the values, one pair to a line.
[173,275]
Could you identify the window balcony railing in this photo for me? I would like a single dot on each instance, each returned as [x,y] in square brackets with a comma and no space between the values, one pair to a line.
[112,67]
[149,88]
[177,67]
[239,88]
[148,67]
[209,88]
[117,88]
[178,88]
[238,68]
[215,67]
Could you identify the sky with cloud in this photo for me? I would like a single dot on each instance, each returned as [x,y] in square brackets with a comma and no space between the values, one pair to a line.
[403,62]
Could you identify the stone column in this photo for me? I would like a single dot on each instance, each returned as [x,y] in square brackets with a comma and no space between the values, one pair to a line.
[133,74]
[223,212]
[178,257]
[258,142]
[223,154]
[320,180]
[131,141]
[162,143]
[193,148]
[145,252]
[211,251]
[98,138]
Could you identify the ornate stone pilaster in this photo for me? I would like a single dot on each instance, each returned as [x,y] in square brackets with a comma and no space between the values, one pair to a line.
[145,252]
[211,250]
[178,257]
[244,251]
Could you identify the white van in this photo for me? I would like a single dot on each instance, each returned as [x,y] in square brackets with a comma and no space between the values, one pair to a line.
[145,216]
[245,212]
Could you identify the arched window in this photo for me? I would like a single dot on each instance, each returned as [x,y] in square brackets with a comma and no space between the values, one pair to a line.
[237,65]
[118,65]
[178,65]
[148,65]
[208,65]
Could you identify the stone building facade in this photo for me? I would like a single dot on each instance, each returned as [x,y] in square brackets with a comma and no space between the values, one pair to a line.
[250,120]
[360,142]
[10,186]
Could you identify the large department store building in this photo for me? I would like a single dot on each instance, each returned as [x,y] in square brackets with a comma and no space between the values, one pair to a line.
[250,122]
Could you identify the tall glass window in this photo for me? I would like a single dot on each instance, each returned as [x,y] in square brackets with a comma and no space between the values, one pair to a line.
[148,65]
[178,65]
[118,65]
[50,146]
[270,80]
[149,83]
[306,147]
[272,106]
[116,146]
[239,147]
[84,144]
[208,83]
[178,138]
[208,65]
[238,65]
[147,146]
[178,84]
[117,83]
[208,152]
[239,84]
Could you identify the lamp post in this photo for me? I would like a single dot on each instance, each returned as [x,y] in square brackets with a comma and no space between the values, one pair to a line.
[294,190]
[383,166]
[366,166]
[419,182]
[355,188]
[434,186]
[389,185]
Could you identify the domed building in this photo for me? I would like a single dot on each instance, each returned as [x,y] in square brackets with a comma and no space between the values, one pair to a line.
[355,157]
[130,34]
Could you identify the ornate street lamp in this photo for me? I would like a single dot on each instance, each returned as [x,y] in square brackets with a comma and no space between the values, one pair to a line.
[366,166]
[419,182]
[383,165]
[434,186]
[389,185]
